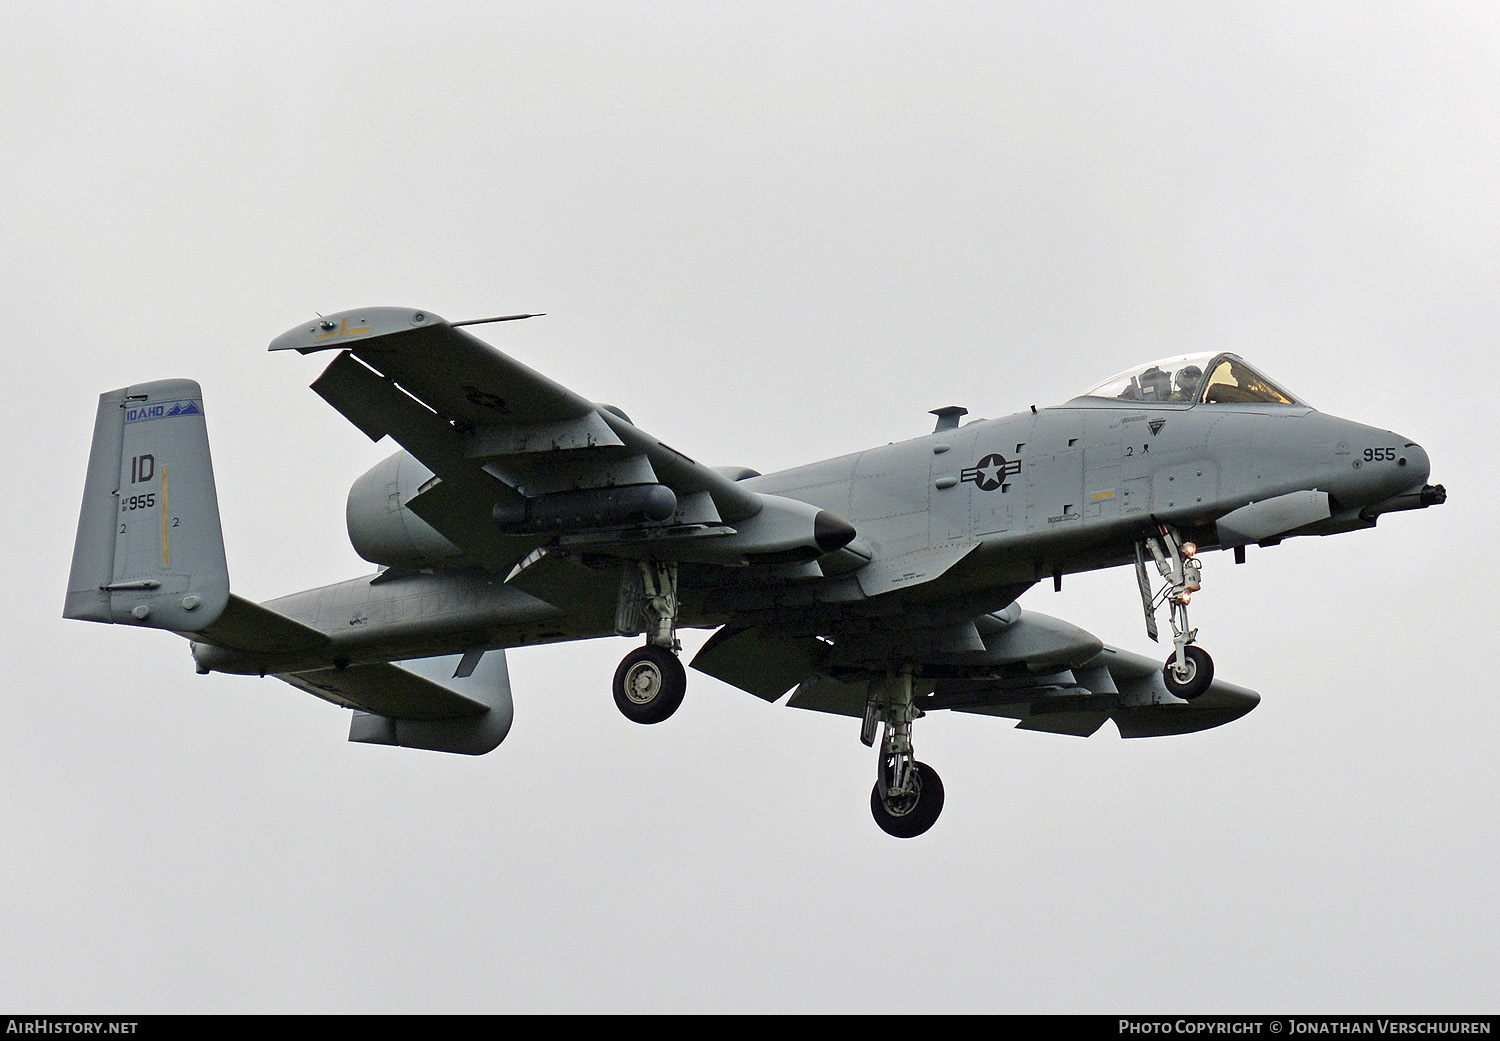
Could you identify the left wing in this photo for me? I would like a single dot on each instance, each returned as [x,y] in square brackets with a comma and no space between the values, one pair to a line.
[1042,672]
[1114,684]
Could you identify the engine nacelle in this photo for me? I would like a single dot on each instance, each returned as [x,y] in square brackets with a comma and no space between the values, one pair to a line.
[382,529]
[786,529]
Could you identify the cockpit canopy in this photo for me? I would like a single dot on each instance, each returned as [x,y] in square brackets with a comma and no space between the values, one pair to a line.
[1192,379]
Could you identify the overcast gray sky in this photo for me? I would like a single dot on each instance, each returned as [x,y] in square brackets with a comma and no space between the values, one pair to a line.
[772,233]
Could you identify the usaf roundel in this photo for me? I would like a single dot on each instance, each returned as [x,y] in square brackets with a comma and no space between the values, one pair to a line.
[991,471]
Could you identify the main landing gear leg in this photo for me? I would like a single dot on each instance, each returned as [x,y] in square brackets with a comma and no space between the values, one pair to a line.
[908,795]
[1189,671]
[650,682]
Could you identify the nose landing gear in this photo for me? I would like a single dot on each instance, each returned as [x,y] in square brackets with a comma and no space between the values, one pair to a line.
[1189,671]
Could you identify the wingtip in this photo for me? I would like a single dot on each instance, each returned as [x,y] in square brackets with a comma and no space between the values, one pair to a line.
[344,328]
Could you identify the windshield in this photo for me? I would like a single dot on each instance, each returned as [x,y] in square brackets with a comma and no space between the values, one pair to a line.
[1192,378]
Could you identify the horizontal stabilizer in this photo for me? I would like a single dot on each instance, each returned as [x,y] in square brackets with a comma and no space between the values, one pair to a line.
[251,627]
[422,703]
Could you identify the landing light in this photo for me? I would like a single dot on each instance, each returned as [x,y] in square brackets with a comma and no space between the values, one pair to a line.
[1188,549]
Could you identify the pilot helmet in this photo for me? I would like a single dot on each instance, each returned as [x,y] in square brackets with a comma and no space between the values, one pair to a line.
[1188,377]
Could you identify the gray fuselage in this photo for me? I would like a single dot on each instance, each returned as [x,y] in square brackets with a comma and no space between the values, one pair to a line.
[1011,501]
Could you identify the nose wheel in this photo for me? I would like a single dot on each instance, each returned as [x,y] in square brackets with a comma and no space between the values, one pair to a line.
[1189,681]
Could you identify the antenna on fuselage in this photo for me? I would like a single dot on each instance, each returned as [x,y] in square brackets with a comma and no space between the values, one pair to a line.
[948,417]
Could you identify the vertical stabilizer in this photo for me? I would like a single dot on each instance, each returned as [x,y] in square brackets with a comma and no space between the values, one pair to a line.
[149,549]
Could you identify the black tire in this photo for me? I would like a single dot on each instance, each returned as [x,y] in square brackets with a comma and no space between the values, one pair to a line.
[1200,674]
[917,813]
[649,684]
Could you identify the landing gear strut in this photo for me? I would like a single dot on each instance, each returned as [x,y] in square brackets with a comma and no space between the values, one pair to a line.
[650,682]
[1189,671]
[908,795]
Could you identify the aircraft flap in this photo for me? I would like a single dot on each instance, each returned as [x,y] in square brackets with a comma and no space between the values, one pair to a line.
[826,694]
[764,665]
[458,507]
[1072,723]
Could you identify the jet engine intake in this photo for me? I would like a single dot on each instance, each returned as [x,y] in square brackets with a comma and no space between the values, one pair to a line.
[381,528]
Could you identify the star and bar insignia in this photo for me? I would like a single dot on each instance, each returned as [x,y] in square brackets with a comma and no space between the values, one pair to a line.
[991,471]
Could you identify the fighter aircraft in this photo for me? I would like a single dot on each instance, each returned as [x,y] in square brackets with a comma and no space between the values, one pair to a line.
[880,585]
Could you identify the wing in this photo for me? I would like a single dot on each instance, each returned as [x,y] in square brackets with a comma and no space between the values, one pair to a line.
[519,460]
[1044,673]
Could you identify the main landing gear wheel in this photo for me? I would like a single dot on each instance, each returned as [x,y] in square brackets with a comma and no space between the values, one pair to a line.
[1195,680]
[649,684]
[910,815]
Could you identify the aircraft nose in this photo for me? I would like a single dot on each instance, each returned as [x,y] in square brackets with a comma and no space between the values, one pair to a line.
[1413,459]
[1402,486]
[1396,469]
[1379,464]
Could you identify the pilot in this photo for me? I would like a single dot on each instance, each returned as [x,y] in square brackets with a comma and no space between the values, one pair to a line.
[1187,380]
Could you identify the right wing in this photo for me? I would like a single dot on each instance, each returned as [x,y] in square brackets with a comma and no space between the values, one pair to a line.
[521,461]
